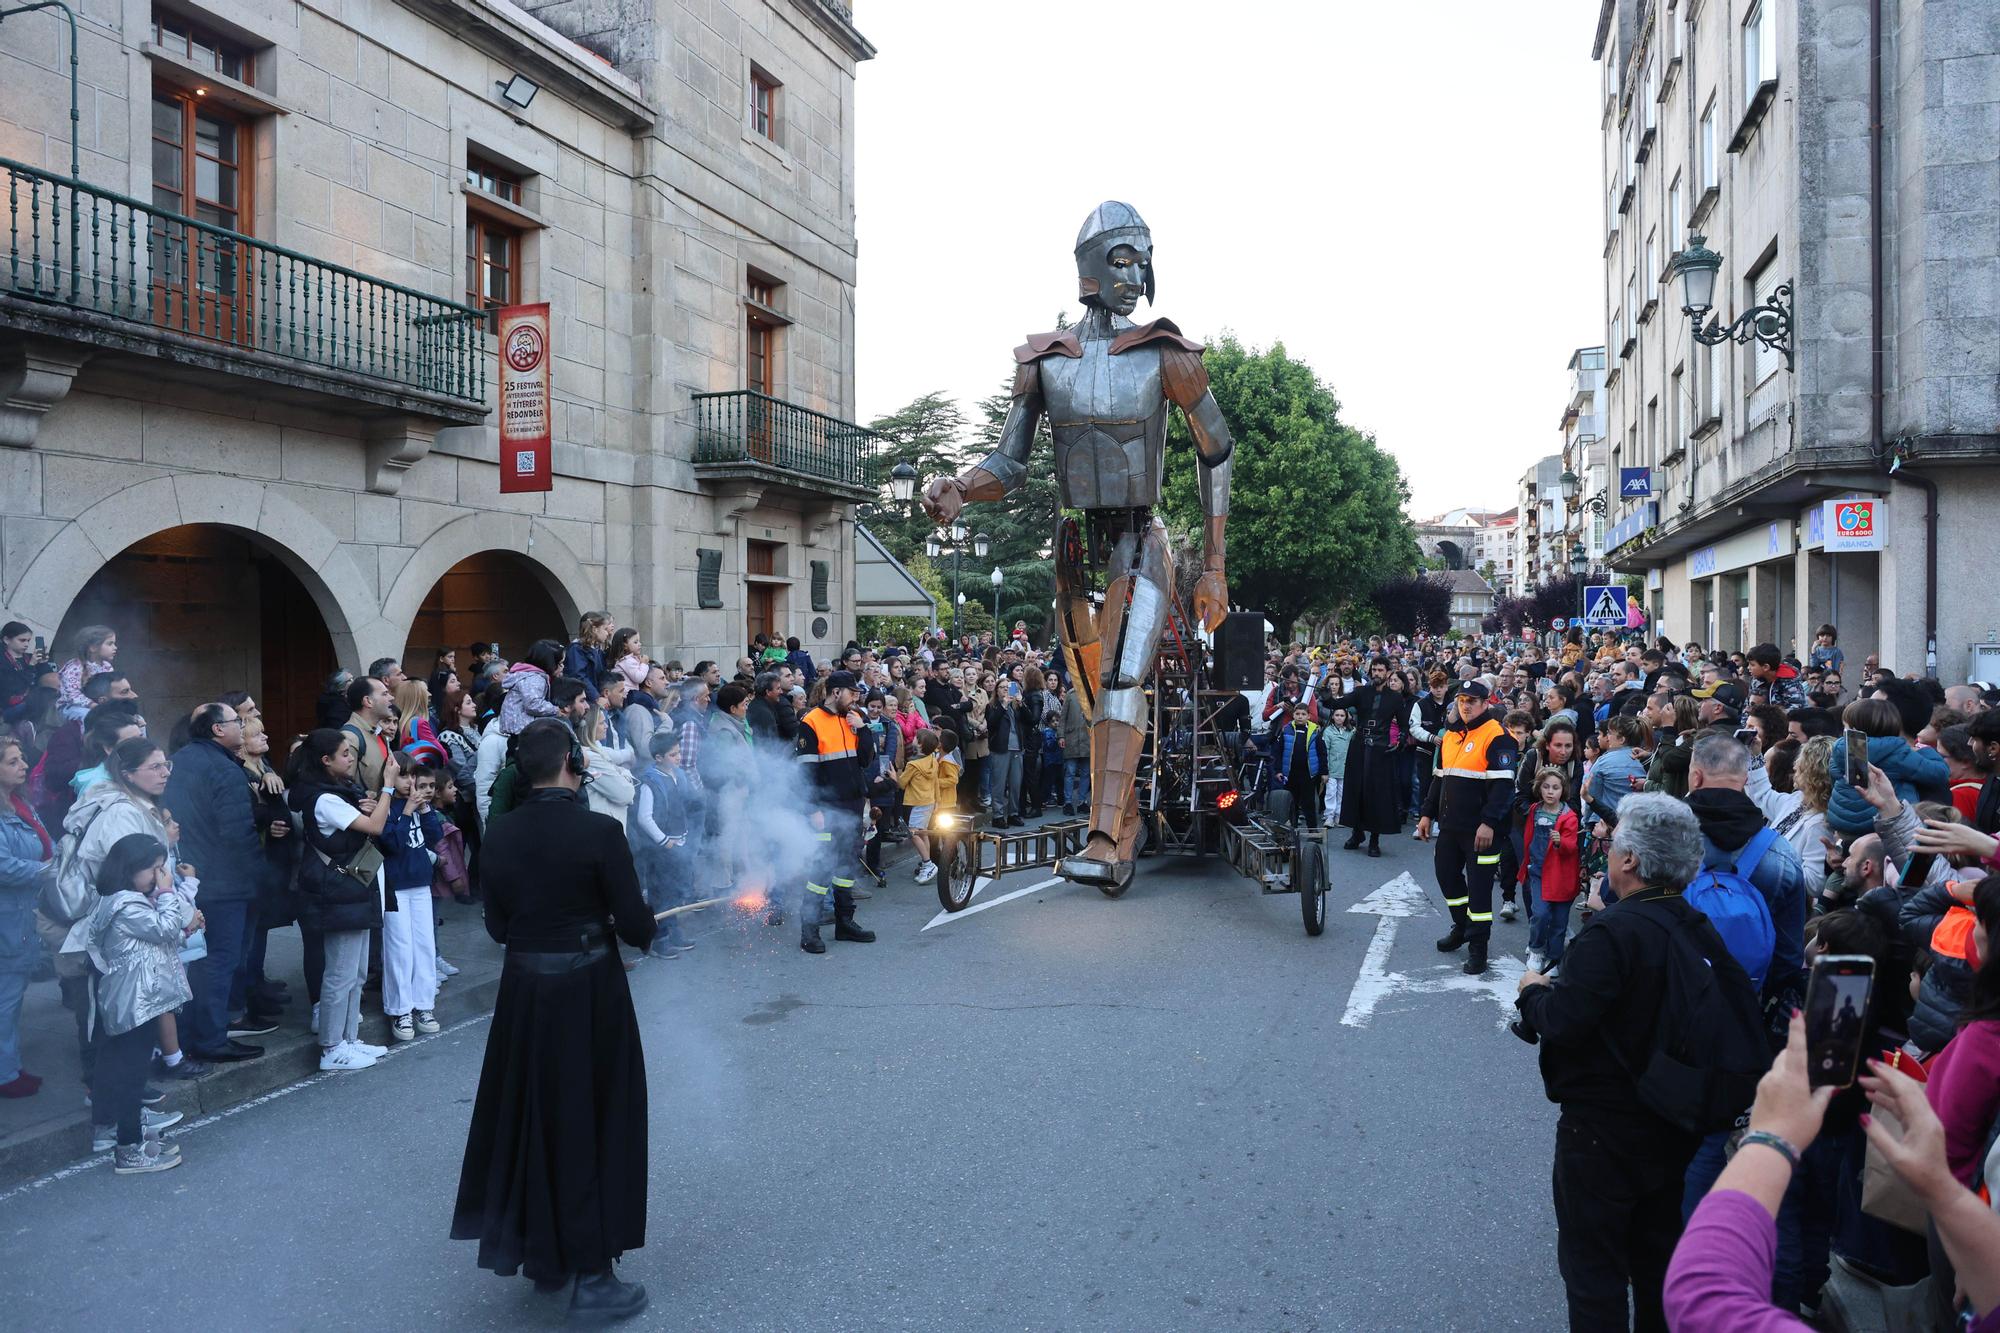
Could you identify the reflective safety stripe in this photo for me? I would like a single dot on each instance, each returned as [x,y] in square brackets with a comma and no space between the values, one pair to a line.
[843,884]
[824,837]
[816,888]
[1479,916]
[1457,902]
[1492,860]
[824,758]
[1476,773]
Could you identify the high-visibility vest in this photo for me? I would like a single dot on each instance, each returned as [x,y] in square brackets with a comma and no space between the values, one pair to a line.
[1462,754]
[834,735]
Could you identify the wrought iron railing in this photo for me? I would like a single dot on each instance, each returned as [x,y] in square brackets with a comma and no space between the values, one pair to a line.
[743,426]
[74,244]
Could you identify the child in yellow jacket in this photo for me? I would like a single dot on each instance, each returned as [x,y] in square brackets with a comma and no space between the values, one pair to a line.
[928,781]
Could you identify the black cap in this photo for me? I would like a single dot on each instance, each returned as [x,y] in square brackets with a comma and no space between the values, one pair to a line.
[841,680]
[1474,689]
[1727,693]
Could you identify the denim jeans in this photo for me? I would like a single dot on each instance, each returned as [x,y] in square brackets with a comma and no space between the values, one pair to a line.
[1076,781]
[213,977]
[13,984]
[1548,926]
[1005,765]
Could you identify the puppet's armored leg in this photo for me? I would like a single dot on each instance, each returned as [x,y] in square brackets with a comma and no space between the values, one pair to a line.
[1076,621]
[1136,606]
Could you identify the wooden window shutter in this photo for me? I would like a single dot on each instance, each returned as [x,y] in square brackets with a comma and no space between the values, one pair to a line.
[708,578]
[821,572]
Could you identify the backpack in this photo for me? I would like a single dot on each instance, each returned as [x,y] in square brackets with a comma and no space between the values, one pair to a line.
[68,896]
[1736,908]
[1708,1049]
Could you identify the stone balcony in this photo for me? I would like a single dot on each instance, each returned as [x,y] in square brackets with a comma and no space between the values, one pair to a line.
[88,275]
[749,439]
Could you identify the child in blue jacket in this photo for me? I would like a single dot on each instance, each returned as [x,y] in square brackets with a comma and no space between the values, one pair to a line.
[409,932]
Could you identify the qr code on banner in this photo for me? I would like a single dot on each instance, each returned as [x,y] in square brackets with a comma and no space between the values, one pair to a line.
[524,462]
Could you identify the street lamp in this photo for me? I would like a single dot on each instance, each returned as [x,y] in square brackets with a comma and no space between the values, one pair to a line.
[954,536]
[1579,560]
[902,482]
[998,579]
[1770,323]
[957,531]
[1566,484]
[932,547]
[980,545]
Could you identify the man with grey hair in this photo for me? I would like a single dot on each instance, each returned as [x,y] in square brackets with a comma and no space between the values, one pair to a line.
[1618,1164]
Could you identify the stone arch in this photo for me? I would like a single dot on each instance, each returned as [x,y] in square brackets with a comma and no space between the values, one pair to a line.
[558,569]
[294,535]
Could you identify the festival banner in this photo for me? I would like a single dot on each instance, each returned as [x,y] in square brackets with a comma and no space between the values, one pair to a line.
[526,411]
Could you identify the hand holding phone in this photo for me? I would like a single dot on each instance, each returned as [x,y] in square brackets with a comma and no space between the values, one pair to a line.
[1857,759]
[1837,1017]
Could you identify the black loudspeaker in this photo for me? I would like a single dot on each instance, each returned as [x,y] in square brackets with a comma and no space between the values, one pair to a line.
[1239,652]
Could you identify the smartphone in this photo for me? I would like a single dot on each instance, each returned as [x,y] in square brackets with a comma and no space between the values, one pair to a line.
[41,646]
[495,646]
[1857,759]
[1837,1017]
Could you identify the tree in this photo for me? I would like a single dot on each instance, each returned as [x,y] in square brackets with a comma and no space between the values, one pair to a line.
[1316,508]
[928,435]
[906,630]
[1413,603]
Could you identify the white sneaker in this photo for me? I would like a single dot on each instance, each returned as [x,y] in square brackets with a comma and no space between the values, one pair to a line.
[1536,962]
[446,969]
[315,1018]
[927,872]
[425,1020]
[343,1058]
[373,1052]
[1507,912]
[401,1028]
[103,1138]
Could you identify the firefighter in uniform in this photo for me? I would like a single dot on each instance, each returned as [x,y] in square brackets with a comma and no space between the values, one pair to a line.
[836,755]
[1467,805]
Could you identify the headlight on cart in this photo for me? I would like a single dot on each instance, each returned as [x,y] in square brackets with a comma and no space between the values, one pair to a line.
[944,821]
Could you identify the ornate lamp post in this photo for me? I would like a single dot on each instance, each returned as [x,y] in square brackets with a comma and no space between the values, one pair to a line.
[902,482]
[1770,323]
[955,538]
[998,579]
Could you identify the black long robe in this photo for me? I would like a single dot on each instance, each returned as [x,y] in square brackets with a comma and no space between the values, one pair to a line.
[1368,783]
[554,1177]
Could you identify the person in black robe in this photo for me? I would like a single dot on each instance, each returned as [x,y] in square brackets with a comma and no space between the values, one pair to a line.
[1368,789]
[554,1179]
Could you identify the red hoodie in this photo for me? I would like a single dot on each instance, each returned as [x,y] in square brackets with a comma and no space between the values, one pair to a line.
[1562,862]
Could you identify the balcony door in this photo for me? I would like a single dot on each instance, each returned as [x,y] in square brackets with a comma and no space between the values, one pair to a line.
[200,170]
[760,357]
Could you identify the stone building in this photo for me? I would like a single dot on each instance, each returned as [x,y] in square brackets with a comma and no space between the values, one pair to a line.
[1585,480]
[246,364]
[1471,601]
[1538,536]
[1749,122]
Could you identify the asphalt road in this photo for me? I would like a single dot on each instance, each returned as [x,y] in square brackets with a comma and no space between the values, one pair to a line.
[1062,1112]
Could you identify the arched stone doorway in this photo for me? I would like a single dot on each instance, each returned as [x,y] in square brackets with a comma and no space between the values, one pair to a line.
[488,597]
[202,608]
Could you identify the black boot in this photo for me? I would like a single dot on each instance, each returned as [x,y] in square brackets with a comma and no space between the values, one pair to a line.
[1374,844]
[1353,843]
[1454,941]
[1475,960]
[845,928]
[600,1298]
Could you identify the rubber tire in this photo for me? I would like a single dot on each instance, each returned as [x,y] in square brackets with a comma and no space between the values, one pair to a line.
[956,876]
[1309,874]
[1278,806]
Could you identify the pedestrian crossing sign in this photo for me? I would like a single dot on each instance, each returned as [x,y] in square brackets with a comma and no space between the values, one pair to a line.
[1604,605]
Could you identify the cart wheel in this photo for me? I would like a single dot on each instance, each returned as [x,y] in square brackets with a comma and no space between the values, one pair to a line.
[956,875]
[1278,806]
[1309,876]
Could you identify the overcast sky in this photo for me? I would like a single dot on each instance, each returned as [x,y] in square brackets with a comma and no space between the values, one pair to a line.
[1404,195]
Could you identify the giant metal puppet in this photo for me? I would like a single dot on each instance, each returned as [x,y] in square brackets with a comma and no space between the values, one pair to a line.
[1105,386]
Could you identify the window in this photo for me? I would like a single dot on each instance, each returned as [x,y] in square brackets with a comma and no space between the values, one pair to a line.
[1760,51]
[1676,435]
[760,334]
[1652,92]
[1677,29]
[1705,147]
[496,181]
[176,36]
[1651,272]
[1674,220]
[1711,384]
[764,104]
[492,240]
[1652,432]
[1631,302]
[200,170]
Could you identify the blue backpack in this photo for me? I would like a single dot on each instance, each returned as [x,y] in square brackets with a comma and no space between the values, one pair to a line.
[1736,908]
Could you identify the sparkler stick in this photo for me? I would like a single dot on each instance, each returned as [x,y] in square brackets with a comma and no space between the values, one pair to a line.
[692,907]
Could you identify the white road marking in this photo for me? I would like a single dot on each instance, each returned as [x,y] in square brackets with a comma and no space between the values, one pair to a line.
[943,917]
[1401,898]
[96,1160]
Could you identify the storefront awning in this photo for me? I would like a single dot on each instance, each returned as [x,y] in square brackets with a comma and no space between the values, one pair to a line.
[882,587]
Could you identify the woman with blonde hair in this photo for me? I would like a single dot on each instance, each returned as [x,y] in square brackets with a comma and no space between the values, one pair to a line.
[416,734]
[1799,815]
[610,786]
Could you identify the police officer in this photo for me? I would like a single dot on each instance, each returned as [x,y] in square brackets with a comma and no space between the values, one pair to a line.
[1467,804]
[837,752]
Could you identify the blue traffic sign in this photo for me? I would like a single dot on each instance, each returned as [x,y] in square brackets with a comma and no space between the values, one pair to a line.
[1604,605]
[1635,481]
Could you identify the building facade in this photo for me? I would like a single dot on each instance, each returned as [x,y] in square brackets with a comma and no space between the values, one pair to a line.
[1471,601]
[1748,122]
[1584,457]
[1538,535]
[247,380]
